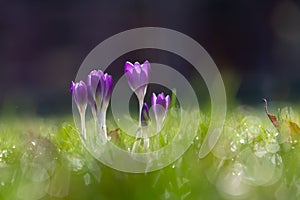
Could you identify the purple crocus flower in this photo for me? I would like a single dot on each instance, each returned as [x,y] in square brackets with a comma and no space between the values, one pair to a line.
[103,94]
[80,96]
[138,78]
[92,84]
[160,105]
[104,90]
[79,92]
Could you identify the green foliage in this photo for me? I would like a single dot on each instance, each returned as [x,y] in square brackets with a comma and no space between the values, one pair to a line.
[44,159]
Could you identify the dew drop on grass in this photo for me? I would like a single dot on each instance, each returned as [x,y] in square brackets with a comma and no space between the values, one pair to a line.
[87,179]
[272,148]
[260,150]
[233,147]
[231,181]
[173,166]
[76,163]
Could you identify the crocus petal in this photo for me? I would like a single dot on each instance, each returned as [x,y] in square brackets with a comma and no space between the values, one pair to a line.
[161,100]
[146,68]
[99,92]
[72,85]
[110,86]
[128,67]
[107,86]
[137,67]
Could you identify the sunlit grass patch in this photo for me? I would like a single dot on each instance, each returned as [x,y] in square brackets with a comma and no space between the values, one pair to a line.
[46,159]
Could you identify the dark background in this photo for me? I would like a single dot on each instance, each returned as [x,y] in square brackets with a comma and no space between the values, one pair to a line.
[42,44]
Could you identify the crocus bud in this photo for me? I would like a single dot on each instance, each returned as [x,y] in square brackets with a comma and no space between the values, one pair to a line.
[80,96]
[79,92]
[160,105]
[105,85]
[92,84]
[138,77]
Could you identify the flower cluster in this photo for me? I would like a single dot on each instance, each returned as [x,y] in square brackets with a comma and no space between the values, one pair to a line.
[138,78]
[97,92]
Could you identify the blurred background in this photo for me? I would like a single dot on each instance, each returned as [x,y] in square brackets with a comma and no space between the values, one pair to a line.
[255,45]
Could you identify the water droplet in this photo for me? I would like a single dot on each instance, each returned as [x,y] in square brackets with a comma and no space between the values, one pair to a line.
[87,179]
[76,163]
[173,166]
[272,148]
[260,153]
[233,147]
[197,138]
[33,143]
[242,141]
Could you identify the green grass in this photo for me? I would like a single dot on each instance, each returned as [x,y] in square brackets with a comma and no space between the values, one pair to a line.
[45,159]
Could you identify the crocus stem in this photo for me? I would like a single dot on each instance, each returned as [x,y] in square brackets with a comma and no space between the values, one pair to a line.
[135,145]
[158,125]
[146,144]
[140,111]
[103,122]
[83,129]
[94,113]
